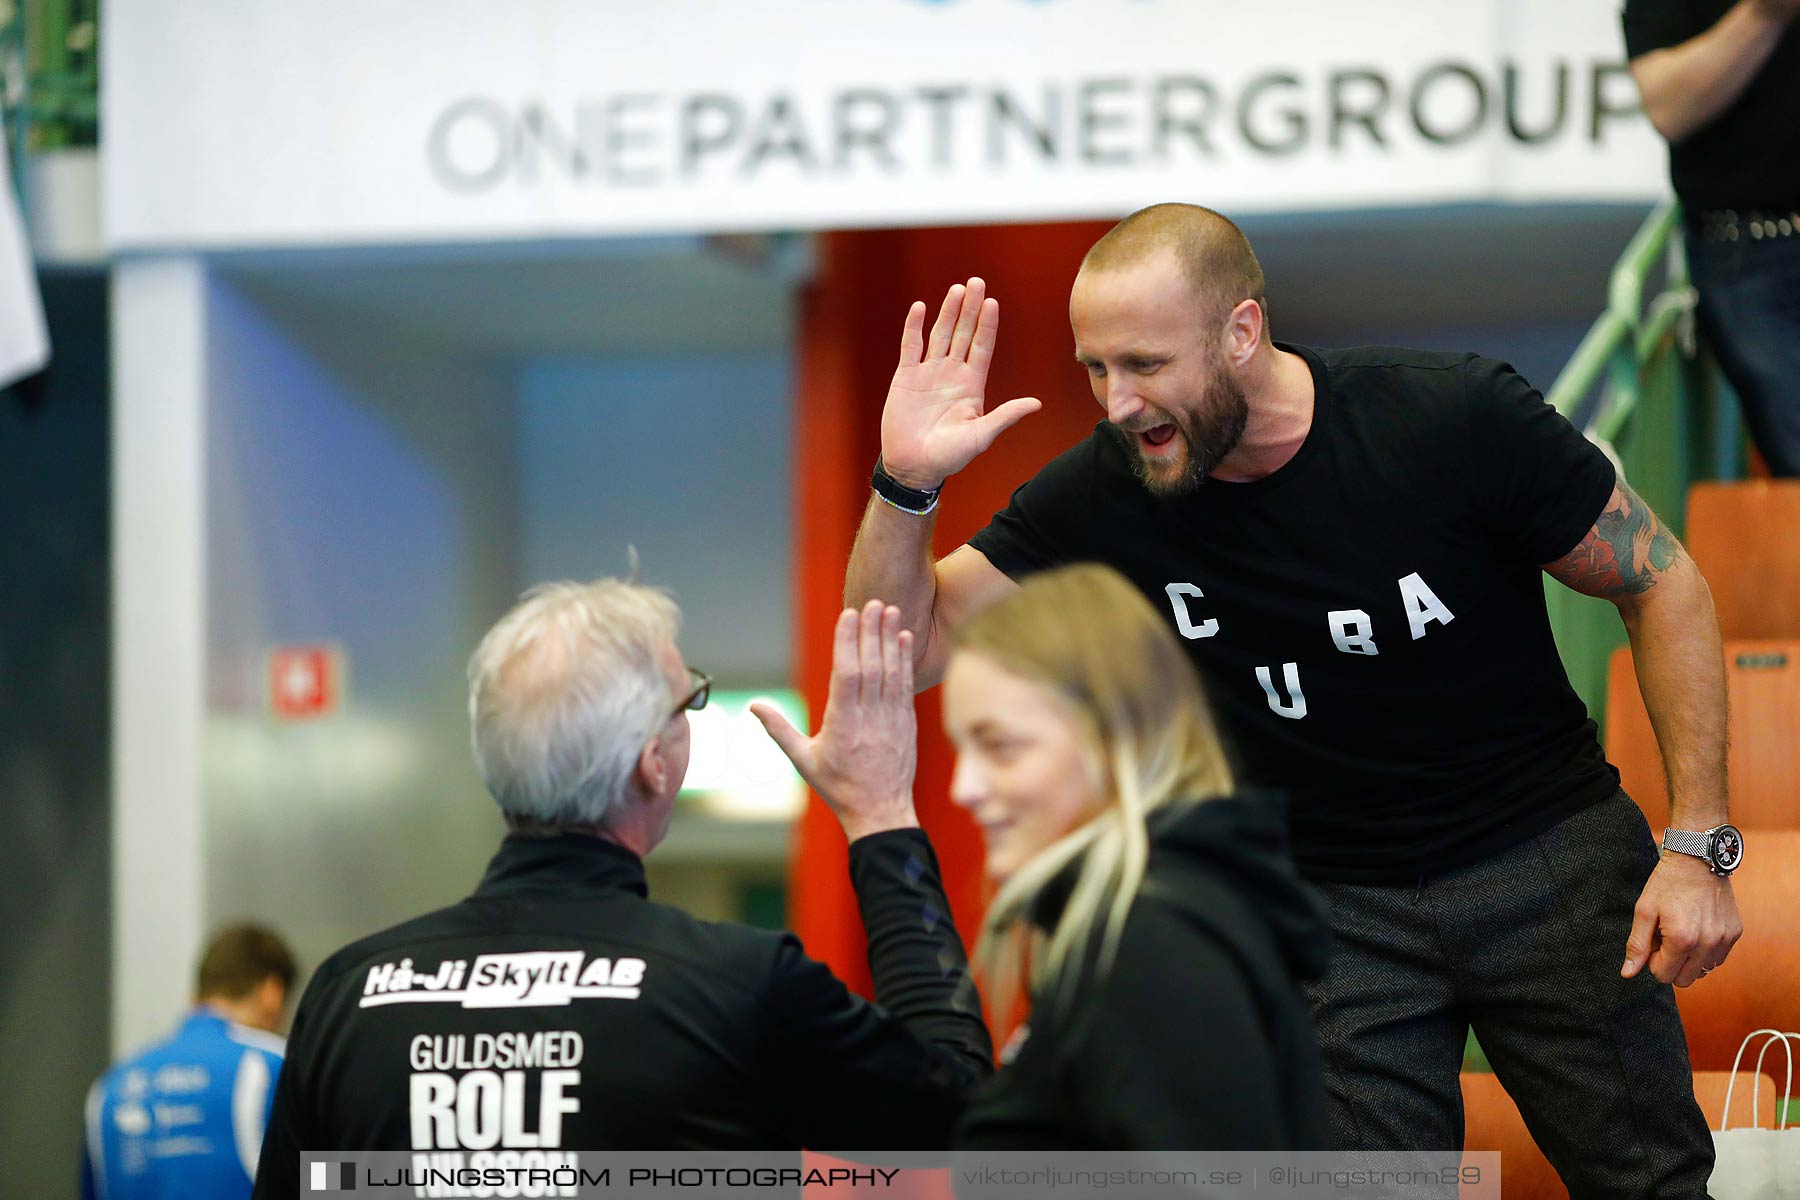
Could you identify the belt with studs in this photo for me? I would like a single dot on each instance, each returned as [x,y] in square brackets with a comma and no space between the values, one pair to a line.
[1730,225]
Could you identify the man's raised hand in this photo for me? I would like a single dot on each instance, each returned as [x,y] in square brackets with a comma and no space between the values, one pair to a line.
[935,423]
[862,760]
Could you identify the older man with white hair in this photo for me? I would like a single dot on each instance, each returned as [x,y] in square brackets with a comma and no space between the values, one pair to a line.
[559,1009]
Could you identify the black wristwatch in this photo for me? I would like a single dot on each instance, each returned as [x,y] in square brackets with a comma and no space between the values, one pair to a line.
[907,500]
[1722,846]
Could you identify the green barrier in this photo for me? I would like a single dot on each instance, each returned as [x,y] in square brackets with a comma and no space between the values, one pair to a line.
[1666,417]
[55,43]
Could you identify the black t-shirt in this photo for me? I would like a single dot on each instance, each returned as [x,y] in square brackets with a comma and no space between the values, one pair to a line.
[1749,157]
[1370,618]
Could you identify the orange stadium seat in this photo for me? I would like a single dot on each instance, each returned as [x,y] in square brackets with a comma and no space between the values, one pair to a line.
[1492,1122]
[1746,539]
[1763,678]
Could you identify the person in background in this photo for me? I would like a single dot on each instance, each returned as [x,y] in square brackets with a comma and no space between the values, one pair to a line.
[184,1119]
[1720,79]
[1166,930]
[614,1022]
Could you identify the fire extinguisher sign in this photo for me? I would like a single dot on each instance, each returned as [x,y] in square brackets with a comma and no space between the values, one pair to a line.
[305,682]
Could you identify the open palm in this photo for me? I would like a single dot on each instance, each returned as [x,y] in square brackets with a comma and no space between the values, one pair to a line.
[862,760]
[935,421]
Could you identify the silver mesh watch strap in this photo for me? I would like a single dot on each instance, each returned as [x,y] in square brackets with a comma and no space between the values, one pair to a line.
[1684,841]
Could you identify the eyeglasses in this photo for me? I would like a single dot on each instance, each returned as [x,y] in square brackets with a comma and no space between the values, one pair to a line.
[696,699]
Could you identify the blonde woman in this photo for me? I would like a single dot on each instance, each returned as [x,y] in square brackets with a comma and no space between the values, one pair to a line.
[1151,910]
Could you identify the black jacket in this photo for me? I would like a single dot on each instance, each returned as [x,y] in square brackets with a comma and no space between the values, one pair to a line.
[1199,1037]
[651,1029]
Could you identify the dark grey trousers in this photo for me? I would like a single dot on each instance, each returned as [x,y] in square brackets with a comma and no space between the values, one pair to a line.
[1526,948]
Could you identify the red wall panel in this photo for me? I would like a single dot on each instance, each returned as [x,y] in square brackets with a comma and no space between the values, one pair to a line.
[848,345]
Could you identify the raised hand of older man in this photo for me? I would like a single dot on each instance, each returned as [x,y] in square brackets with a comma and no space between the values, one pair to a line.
[862,760]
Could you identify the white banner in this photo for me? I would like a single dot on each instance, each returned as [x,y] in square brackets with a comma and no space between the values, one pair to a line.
[265,122]
[24,339]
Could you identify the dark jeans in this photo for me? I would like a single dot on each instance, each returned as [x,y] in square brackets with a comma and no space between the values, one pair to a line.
[1750,313]
[1526,948]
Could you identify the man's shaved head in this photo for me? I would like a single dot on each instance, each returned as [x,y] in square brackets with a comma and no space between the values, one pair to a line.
[1214,253]
[1161,326]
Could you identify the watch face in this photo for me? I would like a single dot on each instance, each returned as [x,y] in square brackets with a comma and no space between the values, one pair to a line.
[1727,849]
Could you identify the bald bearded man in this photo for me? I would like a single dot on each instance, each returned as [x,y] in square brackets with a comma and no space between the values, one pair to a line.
[1350,544]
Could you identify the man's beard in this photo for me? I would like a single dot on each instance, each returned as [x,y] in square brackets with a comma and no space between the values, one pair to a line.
[1208,436]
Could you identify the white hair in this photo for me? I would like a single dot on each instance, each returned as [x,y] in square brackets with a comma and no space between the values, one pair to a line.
[563,693]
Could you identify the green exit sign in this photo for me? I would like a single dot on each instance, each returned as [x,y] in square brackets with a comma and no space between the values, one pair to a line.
[736,770]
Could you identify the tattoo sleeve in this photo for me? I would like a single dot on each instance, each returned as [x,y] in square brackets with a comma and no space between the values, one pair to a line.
[1624,554]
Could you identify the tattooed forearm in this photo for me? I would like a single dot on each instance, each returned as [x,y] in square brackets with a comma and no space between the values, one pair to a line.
[1624,554]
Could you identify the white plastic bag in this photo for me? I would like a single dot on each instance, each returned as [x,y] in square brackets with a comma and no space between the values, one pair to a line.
[1752,1163]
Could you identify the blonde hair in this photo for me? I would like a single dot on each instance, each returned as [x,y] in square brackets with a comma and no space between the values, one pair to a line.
[563,693]
[1091,638]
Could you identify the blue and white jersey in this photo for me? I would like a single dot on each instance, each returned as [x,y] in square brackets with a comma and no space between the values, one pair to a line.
[185,1118]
